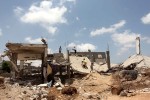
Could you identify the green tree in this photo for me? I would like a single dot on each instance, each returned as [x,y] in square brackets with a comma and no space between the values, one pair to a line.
[6,66]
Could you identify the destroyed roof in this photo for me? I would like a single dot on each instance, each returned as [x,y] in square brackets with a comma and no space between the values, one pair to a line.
[22,47]
[140,60]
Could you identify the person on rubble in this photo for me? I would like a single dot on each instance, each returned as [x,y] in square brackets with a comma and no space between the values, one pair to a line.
[84,64]
[74,49]
[60,49]
[92,64]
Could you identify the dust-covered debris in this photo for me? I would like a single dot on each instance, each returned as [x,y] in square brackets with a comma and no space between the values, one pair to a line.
[69,90]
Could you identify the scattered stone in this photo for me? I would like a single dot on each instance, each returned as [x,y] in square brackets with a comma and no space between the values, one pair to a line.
[44,99]
[59,88]
[16,85]
[20,96]
[51,97]
[43,85]
[131,94]
[123,93]
[129,75]
[56,85]
[44,91]
[147,82]
[44,95]
[29,84]
[25,92]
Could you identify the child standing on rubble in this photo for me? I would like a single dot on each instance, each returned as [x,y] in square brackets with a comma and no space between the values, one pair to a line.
[84,64]
[75,51]
[92,63]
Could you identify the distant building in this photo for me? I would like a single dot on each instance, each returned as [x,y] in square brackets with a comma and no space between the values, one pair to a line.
[98,57]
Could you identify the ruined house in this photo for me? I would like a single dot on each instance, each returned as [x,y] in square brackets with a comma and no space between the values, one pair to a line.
[24,52]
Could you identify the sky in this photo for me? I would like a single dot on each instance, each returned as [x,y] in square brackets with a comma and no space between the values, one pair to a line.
[86,24]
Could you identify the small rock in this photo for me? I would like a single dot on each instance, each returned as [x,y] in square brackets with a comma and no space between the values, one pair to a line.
[86,95]
[131,94]
[123,93]
[29,84]
[25,92]
[59,88]
[20,96]
[116,90]
[35,96]
[16,84]
[44,99]
[51,97]
[44,96]
[33,88]
[55,85]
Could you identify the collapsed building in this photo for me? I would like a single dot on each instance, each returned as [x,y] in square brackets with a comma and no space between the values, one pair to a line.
[23,52]
[91,86]
[100,60]
[137,60]
[53,63]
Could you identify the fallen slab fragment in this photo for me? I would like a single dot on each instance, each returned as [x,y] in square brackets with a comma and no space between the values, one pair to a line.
[76,64]
[139,60]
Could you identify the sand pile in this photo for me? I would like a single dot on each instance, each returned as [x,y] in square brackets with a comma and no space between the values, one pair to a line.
[92,85]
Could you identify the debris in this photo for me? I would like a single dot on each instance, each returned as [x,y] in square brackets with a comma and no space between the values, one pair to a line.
[43,85]
[116,90]
[51,97]
[59,88]
[123,93]
[1,80]
[69,90]
[128,74]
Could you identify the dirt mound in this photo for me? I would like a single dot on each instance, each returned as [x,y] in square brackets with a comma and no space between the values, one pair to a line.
[54,94]
[95,79]
[92,85]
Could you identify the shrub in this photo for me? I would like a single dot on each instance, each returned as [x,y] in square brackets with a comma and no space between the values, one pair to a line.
[6,66]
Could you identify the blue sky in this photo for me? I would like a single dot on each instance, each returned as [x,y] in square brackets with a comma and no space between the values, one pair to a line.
[86,24]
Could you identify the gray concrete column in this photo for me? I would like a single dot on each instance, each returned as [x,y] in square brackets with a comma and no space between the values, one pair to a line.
[108,59]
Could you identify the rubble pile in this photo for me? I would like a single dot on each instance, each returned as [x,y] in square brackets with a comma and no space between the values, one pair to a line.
[93,86]
[69,90]
[2,86]
[1,80]
[19,92]
[67,93]
[131,82]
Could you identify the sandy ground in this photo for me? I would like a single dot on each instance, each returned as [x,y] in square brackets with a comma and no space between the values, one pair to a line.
[141,96]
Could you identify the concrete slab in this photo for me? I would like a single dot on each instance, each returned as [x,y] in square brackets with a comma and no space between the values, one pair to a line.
[76,63]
